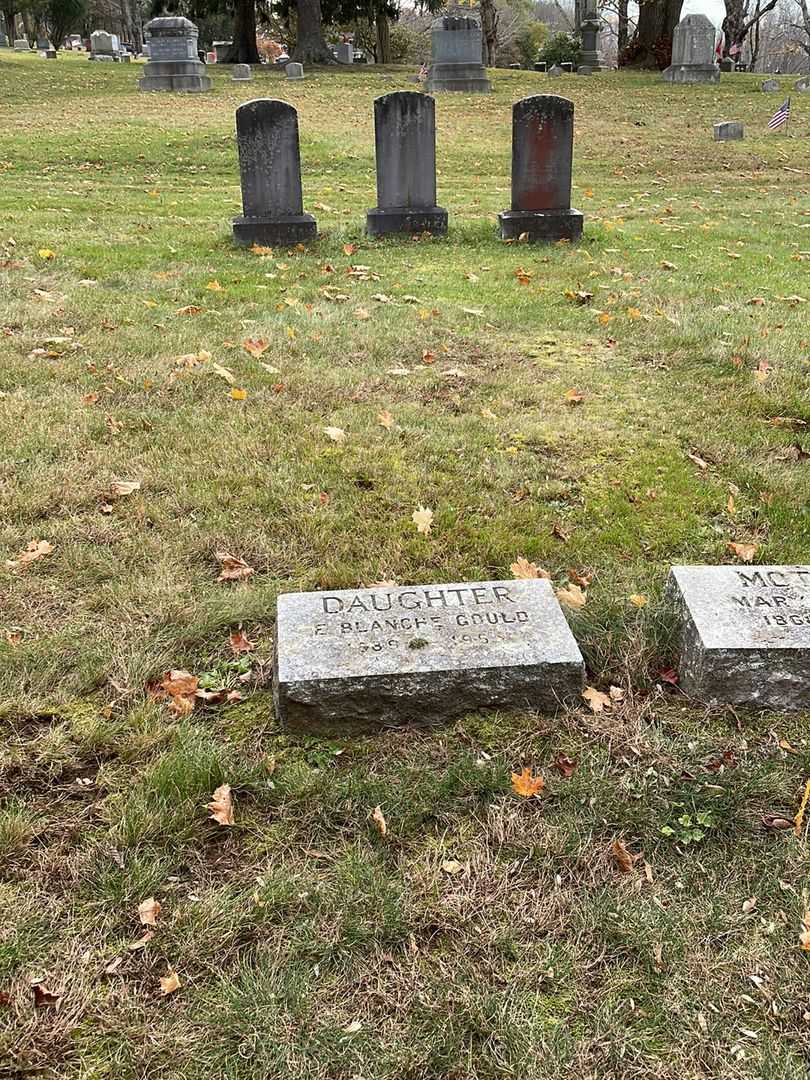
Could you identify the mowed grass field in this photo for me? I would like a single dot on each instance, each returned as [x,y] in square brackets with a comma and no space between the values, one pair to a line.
[484,935]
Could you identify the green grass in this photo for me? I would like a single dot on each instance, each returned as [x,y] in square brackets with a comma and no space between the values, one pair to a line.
[307,944]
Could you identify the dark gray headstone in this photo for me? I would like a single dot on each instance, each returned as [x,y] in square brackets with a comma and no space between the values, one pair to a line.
[405,143]
[542,154]
[555,70]
[174,64]
[397,654]
[294,71]
[728,131]
[584,69]
[770,86]
[802,85]
[541,65]
[455,61]
[345,53]
[567,67]
[270,170]
[50,54]
[693,52]
[727,64]
[745,634]
[241,73]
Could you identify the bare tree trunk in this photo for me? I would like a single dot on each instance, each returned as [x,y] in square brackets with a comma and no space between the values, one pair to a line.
[310,45]
[652,45]
[244,49]
[624,25]
[737,25]
[489,32]
[383,39]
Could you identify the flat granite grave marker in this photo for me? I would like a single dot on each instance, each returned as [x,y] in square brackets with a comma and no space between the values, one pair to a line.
[393,654]
[270,170]
[745,634]
[542,153]
[728,131]
[405,146]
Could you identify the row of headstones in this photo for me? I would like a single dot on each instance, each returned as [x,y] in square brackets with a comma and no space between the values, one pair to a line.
[405,144]
[559,69]
[394,653]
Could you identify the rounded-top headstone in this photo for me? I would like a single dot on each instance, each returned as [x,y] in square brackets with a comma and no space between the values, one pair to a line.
[770,85]
[802,85]
[294,71]
[241,73]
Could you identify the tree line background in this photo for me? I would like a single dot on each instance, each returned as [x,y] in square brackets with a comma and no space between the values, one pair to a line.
[768,34]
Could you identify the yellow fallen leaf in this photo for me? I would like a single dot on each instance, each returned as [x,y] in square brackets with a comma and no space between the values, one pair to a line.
[237,393]
[572,597]
[221,805]
[452,866]
[379,820]
[798,821]
[214,286]
[255,346]
[596,700]
[526,784]
[423,520]
[522,568]
[47,254]
[637,600]
[744,552]
[170,982]
[148,911]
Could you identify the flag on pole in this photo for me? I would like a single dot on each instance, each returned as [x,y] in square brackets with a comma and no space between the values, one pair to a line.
[781,116]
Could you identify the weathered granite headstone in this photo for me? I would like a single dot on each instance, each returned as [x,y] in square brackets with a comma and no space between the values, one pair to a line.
[584,69]
[405,145]
[241,73]
[514,67]
[555,70]
[221,50]
[542,155]
[174,65]
[43,44]
[21,45]
[541,65]
[102,45]
[567,67]
[728,131]
[3,40]
[403,653]
[727,64]
[745,634]
[294,71]
[455,57]
[802,85]
[50,54]
[345,53]
[693,52]
[270,169]
[769,86]
[589,32]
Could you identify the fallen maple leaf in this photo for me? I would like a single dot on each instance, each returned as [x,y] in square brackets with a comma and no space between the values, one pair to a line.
[349,249]
[574,397]
[623,857]
[336,434]
[572,597]
[237,393]
[35,549]
[45,998]
[526,784]
[221,805]
[255,346]
[180,687]
[596,700]
[239,641]
[233,568]
[423,520]
[583,580]
[148,911]
[565,765]
[121,488]
[744,552]
[379,820]
[170,982]
[522,568]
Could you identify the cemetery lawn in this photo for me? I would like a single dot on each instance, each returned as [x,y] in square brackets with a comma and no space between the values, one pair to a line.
[485,935]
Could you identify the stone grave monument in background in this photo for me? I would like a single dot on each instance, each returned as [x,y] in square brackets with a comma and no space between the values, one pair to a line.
[294,71]
[241,73]
[390,655]
[455,56]
[589,32]
[542,155]
[270,170]
[104,46]
[693,55]
[405,146]
[745,634]
[345,53]
[173,61]
[21,45]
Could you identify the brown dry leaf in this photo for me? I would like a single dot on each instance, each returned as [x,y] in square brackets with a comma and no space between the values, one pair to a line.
[698,460]
[233,569]
[776,821]
[257,347]
[221,805]
[572,597]
[763,371]
[224,373]
[624,859]
[559,532]
[638,600]
[191,309]
[583,580]
[488,414]
[574,396]
[526,784]
[385,419]
[596,700]
[804,936]
[170,982]
[148,911]
[566,765]
[181,687]
[35,549]
[122,488]
[452,866]
[336,434]
[142,942]
[239,641]
[379,820]
[522,568]
[744,552]
[349,249]
[423,520]
[45,998]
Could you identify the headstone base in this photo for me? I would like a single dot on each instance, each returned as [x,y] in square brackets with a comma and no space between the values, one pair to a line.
[691,73]
[461,78]
[541,225]
[175,76]
[406,219]
[291,229]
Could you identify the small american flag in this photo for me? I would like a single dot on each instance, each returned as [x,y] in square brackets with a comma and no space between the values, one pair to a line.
[781,116]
